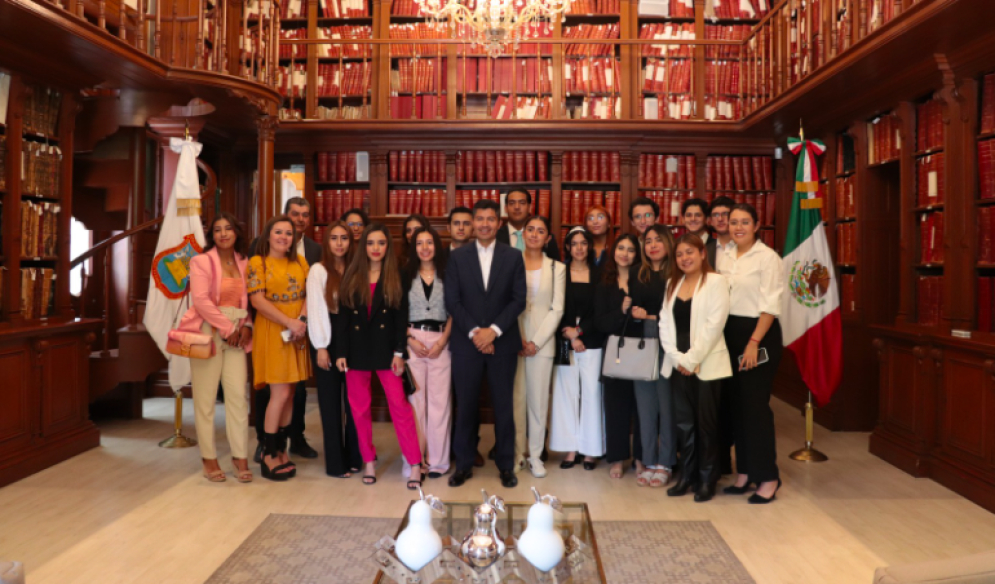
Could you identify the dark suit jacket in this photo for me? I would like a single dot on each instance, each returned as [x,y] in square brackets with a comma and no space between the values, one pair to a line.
[312,250]
[551,249]
[471,306]
[710,251]
[368,343]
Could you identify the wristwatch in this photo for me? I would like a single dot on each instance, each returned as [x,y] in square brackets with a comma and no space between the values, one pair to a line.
[302,318]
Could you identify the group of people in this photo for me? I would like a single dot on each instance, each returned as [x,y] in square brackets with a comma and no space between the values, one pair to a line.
[498,302]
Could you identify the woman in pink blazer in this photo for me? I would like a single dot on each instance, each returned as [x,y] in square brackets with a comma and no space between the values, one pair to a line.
[220,304]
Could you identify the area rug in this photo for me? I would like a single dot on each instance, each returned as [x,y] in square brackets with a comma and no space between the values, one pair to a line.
[314,549]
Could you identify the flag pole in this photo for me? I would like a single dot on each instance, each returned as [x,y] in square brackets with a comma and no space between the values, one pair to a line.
[178,440]
[809,454]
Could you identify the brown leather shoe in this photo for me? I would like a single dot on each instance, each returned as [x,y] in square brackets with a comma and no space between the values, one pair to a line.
[478,461]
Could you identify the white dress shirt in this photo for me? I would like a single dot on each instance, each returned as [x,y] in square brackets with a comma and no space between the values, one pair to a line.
[756,280]
[486,257]
[319,325]
[300,248]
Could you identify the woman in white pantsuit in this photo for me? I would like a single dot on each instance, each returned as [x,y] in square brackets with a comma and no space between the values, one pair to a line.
[545,282]
[577,424]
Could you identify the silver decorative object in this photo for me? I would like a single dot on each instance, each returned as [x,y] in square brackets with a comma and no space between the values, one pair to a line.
[483,545]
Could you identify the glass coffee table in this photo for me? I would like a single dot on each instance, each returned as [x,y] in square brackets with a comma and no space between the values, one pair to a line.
[575,520]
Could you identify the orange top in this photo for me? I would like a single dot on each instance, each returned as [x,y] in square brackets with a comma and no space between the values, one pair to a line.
[231,291]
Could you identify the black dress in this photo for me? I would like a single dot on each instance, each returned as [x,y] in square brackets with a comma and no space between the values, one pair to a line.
[619,399]
[579,310]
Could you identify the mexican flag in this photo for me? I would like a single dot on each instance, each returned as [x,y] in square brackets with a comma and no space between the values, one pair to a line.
[810,315]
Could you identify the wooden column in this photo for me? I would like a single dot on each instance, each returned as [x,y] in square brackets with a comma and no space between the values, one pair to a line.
[451,173]
[378,183]
[266,202]
[908,226]
[556,189]
[12,203]
[67,122]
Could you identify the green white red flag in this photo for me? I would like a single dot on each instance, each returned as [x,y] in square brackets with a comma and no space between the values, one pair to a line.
[810,315]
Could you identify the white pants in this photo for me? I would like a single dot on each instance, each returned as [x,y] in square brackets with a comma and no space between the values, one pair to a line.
[577,423]
[532,381]
[228,366]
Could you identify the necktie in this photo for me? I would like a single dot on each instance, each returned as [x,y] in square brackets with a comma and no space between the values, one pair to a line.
[519,242]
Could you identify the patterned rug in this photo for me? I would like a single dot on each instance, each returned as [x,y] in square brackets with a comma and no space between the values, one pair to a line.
[313,549]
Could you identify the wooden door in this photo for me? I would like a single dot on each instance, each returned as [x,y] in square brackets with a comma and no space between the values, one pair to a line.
[967,407]
[17,425]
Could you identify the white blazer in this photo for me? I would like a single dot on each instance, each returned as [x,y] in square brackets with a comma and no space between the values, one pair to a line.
[709,311]
[541,318]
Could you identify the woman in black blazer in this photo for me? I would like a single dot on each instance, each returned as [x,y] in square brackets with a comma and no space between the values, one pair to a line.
[373,324]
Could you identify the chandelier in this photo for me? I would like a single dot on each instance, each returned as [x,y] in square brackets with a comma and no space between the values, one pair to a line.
[493,24]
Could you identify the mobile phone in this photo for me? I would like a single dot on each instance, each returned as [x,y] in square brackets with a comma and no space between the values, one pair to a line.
[286,336]
[762,356]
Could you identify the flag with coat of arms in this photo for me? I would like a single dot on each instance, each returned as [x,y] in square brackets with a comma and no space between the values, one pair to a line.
[180,238]
[810,315]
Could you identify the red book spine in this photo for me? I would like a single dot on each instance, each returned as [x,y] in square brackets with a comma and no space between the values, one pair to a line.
[565,207]
[576,207]
[519,165]
[471,167]
[582,166]
[543,166]
[642,171]
[938,249]
[985,299]
[509,161]
[530,166]
[605,173]
[319,207]
[615,166]
[985,235]
[499,168]
[710,174]
[322,167]
[543,207]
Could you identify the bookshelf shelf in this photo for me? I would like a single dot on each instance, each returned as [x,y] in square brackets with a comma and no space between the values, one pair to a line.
[666,19]
[928,208]
[924,153]
[43,259]
[343,185]
[592,184]
[359,21]
[36,137]
[930,266]
[845,219]
[883,163]
[846,174]
[984,202]
[502,185]
[415,185]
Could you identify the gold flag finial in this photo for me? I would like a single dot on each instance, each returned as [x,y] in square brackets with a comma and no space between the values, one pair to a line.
[801,130]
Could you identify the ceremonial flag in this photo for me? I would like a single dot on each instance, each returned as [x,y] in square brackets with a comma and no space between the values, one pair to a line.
[810,316]
[180,238]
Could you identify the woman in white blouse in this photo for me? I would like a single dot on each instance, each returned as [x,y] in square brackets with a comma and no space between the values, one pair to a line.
[693,316]
[753,337]
[342,455]
[545,282]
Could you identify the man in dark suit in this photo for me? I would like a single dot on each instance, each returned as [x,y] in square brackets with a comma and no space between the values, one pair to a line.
[299,211]
[694,216]
[718,220]
[518,205]
[485,294]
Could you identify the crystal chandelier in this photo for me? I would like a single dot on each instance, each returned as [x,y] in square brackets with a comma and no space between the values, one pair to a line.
[493,24]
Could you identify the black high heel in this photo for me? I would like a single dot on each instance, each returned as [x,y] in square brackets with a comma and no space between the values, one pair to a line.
[270,449]
[734,490]
[591,464]
[681,488]
[756,499]
[283,436]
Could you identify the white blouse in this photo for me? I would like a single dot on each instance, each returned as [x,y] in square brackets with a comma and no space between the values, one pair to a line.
[532,280]
[319,325]
[756,280]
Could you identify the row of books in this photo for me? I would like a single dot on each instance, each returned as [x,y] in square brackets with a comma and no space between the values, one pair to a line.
[666,32]
[986,235]
[846,244]
[37,292]
[416,166]
[483,75]
[739,173]
[346,112]
[931,238]
[594,7]
[986,169]
[39,229]
[732,32]
[416,30]
[881,12]
[724,107]
[575,204]
[929,126]
[418,107]
[492,166]
[592,167]
[419,76]
[336,167]
[884,138]
[428,202]
[722,77]
[739,9]
[667,75]
[343,50]
[988,104]
[590,74]
[670,8]
[468,197]
[671,107]
[929,299]
[590,32]
[846,200]
[293,51]
[530,31]
[848,293]
[345,79]
[41,110]
[595,108]
[667,171]
[522,108]
[330,205]
[764,203]
[343,8]
[669,203]
[930,171]
[846,155]
[40,174]
[406,8]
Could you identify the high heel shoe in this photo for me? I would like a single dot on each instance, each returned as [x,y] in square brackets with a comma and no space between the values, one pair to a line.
[704,493]
[756,499]
[283,436]
[591,464]
[681,488]
[734,490]
[270,450]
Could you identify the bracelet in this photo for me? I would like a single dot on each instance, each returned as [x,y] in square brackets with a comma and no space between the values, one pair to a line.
[755,340]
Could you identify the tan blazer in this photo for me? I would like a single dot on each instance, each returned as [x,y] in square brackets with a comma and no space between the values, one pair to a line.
[541,317]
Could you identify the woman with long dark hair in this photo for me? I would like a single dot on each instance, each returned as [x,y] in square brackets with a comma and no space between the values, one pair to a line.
[276,286]
[429,361]
[220,303]
[411,223]
[342,455]
[598,223]
[373,318]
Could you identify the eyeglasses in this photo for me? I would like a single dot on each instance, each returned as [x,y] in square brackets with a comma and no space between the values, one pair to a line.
[649,216]
[724,215]
[599,217]
[355,224]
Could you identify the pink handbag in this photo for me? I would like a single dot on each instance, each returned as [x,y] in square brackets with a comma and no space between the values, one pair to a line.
[192,345]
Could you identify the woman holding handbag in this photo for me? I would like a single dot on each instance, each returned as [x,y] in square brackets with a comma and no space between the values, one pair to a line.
[654,400]
[695,360]
[276,286]
[756,285]
[429,361]
[545,281]
[577,424]
[612,303]
[342,455]
[373,319]
[217,290]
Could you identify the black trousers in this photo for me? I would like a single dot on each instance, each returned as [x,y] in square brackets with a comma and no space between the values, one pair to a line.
[341,444]
[620,419]
[726,425]
[468,374]
[696,415]
[753,424]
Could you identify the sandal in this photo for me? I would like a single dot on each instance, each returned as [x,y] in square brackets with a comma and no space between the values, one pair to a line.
[215,476]
[413,484]
[644,478]
[369,479]
[243,475]
[660,478]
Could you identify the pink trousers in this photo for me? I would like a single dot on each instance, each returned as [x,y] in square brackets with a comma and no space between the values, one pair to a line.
[360,396]
[432,401]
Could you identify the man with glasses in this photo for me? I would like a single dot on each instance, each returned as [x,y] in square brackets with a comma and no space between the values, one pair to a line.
[518,206]
[718,220]
[643,213]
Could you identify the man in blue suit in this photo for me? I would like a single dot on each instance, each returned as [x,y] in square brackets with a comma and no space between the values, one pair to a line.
[485,294]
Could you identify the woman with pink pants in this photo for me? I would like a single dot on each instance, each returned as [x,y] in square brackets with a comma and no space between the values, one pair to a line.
[428,348]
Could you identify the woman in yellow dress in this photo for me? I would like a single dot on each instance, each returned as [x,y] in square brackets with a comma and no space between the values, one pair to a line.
[276,278]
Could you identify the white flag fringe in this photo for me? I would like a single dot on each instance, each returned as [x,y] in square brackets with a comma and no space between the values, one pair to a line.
[180,238]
